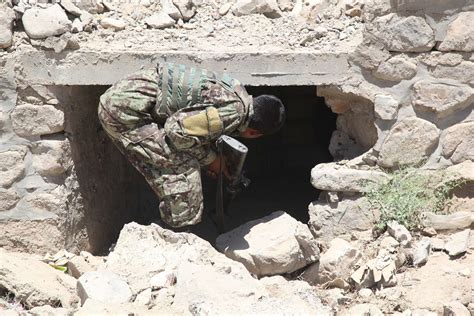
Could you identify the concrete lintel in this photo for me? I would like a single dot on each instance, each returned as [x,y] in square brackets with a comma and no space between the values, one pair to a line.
[105,68]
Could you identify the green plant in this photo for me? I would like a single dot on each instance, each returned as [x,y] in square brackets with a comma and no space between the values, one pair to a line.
[408,193]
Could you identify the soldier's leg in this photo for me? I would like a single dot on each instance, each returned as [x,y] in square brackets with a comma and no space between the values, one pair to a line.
[174,176]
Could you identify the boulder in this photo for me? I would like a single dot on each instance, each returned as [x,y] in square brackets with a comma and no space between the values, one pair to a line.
[269,8]
[70,7]
[41,23]
[463,72]
[168,7]
[459,35]
[336,262]
[272,245]
[458,142]
[7,16]
[8,199]
[395,69]
[103,286]
[404,34]
[385,107]
[458,243]
[36,120]
[12,166]
[352,214]
[409,142]
[159,20]
[334,177]
[35,283]
[443,97]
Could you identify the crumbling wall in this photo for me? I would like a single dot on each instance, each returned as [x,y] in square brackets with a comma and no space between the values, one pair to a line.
[412,87]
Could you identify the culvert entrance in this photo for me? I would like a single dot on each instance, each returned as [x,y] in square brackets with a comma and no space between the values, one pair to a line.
[111,192]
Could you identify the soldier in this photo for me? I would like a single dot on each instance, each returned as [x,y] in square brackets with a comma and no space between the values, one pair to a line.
[166,122]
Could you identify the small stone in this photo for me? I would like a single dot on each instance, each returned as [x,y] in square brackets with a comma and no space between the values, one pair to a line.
[399,232]
[442,97]
[12,167]
[437,244]
[389,243]
[103,286]
[7,17]
[336,297]
[422,251]
[70,7]
[8,199]
[77,26]
[34,120]
[365,293]
[465,273]
[459,35]
[187,8]
[162,280]
[395,69]
[364,309]
[114,24]
[409,142]
[404,34]
[77,266]
[269,8]
[458,142]
[86,18]
[458,243]
[47,310]
[224,8]
[144,297]
[429,231]
[169,8]
[42,23]
[160,20]
[455,308]
[385,107]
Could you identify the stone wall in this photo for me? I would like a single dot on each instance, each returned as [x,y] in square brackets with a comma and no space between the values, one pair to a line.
[409,102]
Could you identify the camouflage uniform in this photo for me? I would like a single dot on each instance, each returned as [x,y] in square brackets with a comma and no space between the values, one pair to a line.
[165,121]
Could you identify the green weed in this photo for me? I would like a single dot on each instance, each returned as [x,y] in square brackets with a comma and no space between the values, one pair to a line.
[408,193]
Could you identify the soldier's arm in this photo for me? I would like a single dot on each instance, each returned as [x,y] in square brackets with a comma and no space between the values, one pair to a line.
[194,129]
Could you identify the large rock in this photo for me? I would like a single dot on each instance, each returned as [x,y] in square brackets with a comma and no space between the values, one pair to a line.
[35,120]
[41,23]
[336,262]
[269,8]
[333,177]
[206,280]
[404,34]
[463,72]
[103,286]
[442,97]
[113,24]
[395,69]
[309,9]
[35,283]
[458,243]
[409,142]
[448,222]
[7,16]
[272,245]
[385,107]
[168,7]
[342,219]
[458,142]
[12,166]
[459,35]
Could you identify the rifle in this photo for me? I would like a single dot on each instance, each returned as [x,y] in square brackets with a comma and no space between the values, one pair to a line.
[233,153]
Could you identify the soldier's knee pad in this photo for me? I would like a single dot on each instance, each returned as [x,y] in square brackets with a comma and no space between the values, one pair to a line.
[181,199]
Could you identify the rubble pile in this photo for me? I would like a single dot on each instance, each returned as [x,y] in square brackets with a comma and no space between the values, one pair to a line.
[152,270]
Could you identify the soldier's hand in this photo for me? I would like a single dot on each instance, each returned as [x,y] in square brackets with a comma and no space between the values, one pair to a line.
[214,168]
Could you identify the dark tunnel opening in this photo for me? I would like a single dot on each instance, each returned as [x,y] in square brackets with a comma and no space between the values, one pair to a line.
[111,192]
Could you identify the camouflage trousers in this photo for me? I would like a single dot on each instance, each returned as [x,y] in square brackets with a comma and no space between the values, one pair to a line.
[173,175]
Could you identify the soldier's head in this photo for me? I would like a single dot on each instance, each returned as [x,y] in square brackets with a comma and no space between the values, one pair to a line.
[268,116]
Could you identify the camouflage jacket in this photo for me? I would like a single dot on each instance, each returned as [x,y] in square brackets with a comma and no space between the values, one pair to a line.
[194,106]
